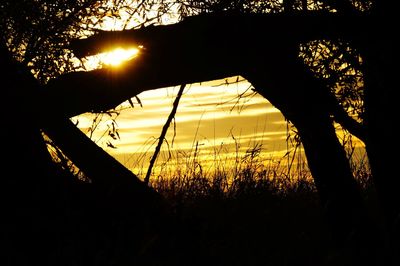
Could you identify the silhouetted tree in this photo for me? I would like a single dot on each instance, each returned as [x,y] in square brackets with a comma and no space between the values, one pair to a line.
[48,216]
[272,36]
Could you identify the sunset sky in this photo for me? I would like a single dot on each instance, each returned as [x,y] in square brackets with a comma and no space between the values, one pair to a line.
[209,114]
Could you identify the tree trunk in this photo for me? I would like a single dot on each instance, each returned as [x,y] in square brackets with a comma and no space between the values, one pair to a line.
[32,194]
[306,103]
[381,57]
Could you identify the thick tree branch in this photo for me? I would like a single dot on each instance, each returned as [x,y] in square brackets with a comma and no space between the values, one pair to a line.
[104,89]
[107,171]
[227,27]
[114,179]
[201,48]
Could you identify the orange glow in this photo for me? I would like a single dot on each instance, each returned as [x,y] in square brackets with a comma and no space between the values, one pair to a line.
[117,56]
[113,58]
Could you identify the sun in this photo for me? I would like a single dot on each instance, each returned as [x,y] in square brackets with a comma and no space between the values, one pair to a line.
[112,58]
[117,56]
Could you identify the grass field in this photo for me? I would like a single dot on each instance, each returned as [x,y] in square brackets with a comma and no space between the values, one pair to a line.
[250,214]
[243,211]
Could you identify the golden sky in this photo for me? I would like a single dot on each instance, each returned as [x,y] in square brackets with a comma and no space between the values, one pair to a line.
[209,114]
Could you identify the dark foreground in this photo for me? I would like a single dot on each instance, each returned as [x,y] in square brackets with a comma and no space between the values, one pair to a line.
[251,223]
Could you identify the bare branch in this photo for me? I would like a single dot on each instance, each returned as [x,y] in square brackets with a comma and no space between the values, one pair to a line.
[163,133]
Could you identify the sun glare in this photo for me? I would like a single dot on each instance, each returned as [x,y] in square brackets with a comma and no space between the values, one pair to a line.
[113,58]
[117,56]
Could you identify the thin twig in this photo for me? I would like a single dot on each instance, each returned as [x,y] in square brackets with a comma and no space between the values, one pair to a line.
[163,133]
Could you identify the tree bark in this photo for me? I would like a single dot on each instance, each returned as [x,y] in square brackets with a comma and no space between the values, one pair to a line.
[381,57]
